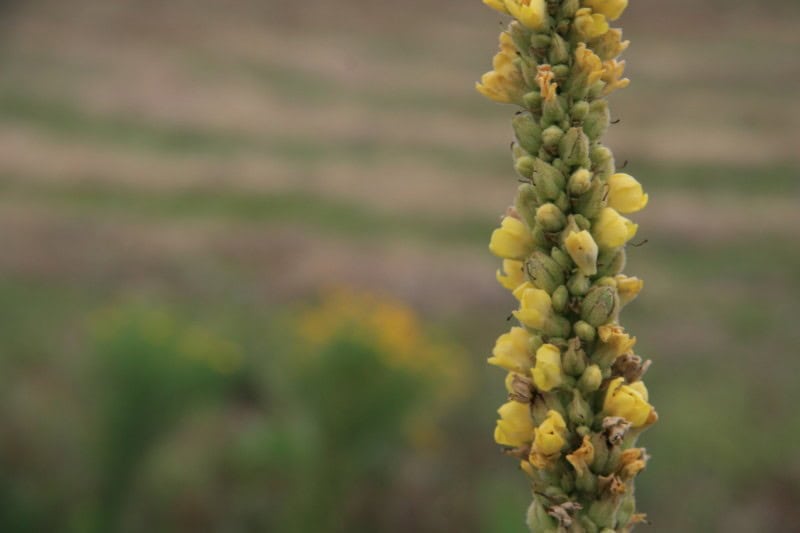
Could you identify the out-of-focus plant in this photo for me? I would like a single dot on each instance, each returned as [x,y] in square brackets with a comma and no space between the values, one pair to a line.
[576,402]
[152,369]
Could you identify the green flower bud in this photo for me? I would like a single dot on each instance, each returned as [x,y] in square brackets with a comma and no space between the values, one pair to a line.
[562,202]
[579,110]
[569,8]
[540,41]
[591,202]
[574,358]
[559,50]
[603,512]
[578,409]
[602,162]
[580,182]
[598,305]
[535,343]
[596,122]
[533,101]
[520,35]
[560,72]
[579,284]
[581,221]
[585,331]
[548,180]
[574,147]
[561,166]
[626,510]
[550,218]
[560,298]
[524,166]
[563,260]
[588,525]
[600,445]
[554,111]
[526,203]
[611,262]
[590,380]
[544,272]
[551,136]
[537,518]
[528,132]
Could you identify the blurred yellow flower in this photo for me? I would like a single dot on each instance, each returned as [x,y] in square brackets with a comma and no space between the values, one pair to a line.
[531,13]
[535,307]
[581,458]
[547,373]
[499,5]
[590,25]
[544,79]
[628,401]
[588,63]
[515,426]
[628,288]
[512,240]
[511,351]
[512,274]
[549,439]
[612,230]
[625,194]
[612,76]
[611,9]
[583,250]
[504,83]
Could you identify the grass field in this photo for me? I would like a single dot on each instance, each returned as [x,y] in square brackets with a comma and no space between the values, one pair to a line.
[229,162]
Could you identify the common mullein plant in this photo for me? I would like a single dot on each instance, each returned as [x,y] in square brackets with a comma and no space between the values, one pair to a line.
[576,403]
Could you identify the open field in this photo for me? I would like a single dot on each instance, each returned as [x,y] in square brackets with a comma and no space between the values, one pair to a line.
[229,162]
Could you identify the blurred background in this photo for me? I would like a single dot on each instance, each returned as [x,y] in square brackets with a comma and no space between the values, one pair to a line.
[245,284]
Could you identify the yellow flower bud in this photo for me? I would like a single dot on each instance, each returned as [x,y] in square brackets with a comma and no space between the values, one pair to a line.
[628,288]
[515,427]
[549,438]
[588,64]
[547,373]
[583,250]
[612,9]
[590,25]
[512,275]
[511,351]
[535,308]
[530,13]
[511,240]
[499,5]
[612,230]
[591,379]
[627,401]
[625,194]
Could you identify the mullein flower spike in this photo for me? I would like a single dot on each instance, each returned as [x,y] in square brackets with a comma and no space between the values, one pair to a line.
[576,402]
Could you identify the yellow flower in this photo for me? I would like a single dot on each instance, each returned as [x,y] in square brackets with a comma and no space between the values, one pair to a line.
[612,230]
[613,341]
[511,351]
[499,5]
[581,458]
[612,75]
[588,64]
[515,427]
[590,25]
[530,13]
[520,290]
[628,288]
[547,374]
[610,44]
[544,78]
[548,440]
[504,83]
[612,9]
[511,240]
[625,194]
[583,250]
[535,308]
[628,401]
[512,274]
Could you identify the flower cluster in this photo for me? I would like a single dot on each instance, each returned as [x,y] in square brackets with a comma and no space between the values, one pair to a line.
[576,402]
